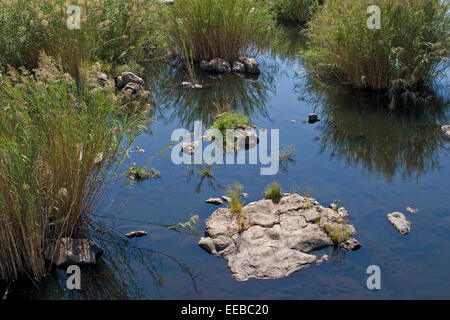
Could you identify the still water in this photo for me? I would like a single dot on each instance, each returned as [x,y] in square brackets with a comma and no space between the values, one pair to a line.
[372,160]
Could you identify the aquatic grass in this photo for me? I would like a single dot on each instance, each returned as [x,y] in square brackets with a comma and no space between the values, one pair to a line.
[230,121]
[295,10]
[235,205]
[206,29]
[59,149]
[273,192]
[400,59]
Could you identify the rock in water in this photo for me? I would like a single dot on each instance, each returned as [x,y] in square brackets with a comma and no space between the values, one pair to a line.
[190,147]
[215,65]
[446,130]
[136,234]
[399,221]
[351,244]
[411,210]
[313,118]
[275,240]
[214,201]
[68,251]
[251,65]
[126,78]
[238,67]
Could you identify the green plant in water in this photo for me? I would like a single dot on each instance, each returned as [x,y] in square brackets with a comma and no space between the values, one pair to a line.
[273,192]
[230,121]
[295,10]
[401,58]
[235,193]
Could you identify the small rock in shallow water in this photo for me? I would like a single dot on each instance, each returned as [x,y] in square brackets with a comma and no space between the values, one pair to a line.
[227,199]
[214,201]
[351,244]
[446,130]
[333,206]
[238,67]
[400,223]
[190,147]
[215,65]
[136,234]
[251,65]
[294,121]
[323,259]
[313,118]
[68,251]
[245,195]
[190,85]
[411,210]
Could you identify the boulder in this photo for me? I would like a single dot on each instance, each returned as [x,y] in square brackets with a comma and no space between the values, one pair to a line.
[351,244]
[251,65]
[68,251]
[131,89]
[400,223]
[238,67]
[190,147]
[126,78]
[276,239]
[215,65]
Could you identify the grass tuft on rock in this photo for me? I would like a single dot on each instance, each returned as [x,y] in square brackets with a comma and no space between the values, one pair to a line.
[273,192]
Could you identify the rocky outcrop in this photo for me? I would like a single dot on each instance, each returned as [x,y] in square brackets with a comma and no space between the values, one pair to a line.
[276,240]
[400,223]
[68,251]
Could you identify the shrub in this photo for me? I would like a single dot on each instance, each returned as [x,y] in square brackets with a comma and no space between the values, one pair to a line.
[59,148]
[273,192]
[295,10]
[230,120]
[400,59]
[206,29]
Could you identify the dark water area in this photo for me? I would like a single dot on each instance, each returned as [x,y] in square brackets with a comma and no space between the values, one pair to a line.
[372,160]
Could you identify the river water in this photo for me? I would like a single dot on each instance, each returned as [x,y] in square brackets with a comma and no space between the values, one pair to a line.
[371,160]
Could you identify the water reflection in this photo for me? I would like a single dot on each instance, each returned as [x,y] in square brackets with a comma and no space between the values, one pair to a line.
[245,94]
[358,129]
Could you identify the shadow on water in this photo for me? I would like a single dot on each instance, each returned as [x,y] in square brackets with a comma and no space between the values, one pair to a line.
[358,128]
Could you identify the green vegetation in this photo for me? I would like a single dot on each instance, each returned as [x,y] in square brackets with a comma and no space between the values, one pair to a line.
[230,120]
[295,10]
[273,192]
[235,193]
[400,59]
[206,29]
[59,148]
[338,232]
[113,31]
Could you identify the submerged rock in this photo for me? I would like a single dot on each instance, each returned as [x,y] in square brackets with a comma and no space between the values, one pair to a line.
[275,240]
[68,251]
[215,65]
[399,221]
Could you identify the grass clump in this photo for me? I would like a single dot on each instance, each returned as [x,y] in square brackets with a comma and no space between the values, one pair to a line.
[338,232]
[52,133]
[235,205]
[273,192]
[295,10]
[230,121]
[400,59]
[207,29]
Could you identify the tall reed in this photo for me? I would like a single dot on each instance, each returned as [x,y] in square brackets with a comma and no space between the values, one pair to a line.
[401,58]
[295,10]
[59,147]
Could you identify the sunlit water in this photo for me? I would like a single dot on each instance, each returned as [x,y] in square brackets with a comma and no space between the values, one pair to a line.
[371,160]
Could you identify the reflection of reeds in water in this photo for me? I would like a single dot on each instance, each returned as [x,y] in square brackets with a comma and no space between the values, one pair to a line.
[246,95]
[360,130]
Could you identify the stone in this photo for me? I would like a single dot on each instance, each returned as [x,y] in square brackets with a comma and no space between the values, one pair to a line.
[400,223]
[136,234]
[190,147]
[244,138]
[215,65]
[216,201]
[323,259]
[294,121]
[238,67]
[102,78]
[276,239]
[126,78]
[446,130]
[131,89]
[251,65]
[313,118]
[227,199]
[411,210]
[68,251]
[333,206]
[245,195]
[343,212]
[351,244]
[190,85]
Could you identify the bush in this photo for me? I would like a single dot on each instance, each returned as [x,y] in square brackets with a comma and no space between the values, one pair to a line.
[273,192]
[59,147]
[295,10]
[230,121]
[400,59]
[206,29]
[113,31]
